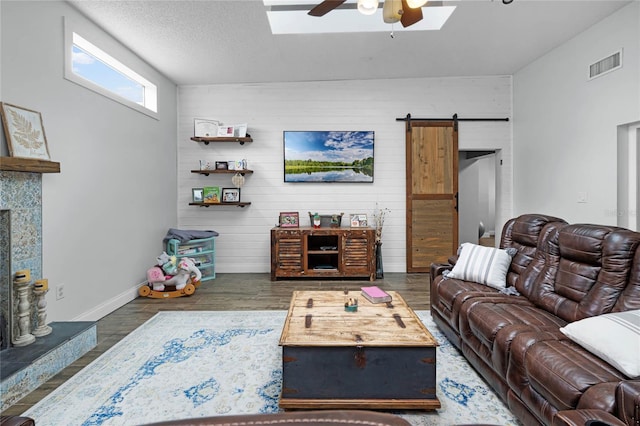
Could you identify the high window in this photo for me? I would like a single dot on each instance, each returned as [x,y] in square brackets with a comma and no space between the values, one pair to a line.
[95,69]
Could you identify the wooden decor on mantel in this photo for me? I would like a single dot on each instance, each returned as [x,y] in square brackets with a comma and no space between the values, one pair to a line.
[31,165]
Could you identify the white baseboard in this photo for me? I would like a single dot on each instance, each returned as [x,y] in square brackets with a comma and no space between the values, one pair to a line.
[110,305]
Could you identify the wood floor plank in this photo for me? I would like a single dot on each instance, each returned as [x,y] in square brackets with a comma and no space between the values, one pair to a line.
[227,292]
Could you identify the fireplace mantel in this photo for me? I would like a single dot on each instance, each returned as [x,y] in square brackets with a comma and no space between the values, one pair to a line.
[17,164]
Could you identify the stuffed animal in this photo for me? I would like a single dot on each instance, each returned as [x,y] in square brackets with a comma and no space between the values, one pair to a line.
[163,258]
[186,268]
[171,267]
[156,278]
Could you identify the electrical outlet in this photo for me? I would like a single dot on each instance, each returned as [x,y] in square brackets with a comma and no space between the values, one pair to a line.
[582,197]
[60,291]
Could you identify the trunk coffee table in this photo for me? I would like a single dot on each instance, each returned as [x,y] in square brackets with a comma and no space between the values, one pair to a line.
[378,357]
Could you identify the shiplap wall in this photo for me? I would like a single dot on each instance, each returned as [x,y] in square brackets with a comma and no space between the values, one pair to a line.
[269,109]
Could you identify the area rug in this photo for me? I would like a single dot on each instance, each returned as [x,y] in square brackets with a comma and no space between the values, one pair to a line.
[196,364]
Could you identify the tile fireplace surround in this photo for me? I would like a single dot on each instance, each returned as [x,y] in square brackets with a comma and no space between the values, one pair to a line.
[20,230]
[25,368]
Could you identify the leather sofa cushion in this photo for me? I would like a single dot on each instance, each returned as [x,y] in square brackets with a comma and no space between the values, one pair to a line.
[489,328]
[593,270]
[453,292]
[485,319]
[561,372]
[523,234]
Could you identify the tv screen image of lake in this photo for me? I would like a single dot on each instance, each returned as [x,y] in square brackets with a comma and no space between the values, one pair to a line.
[328,156]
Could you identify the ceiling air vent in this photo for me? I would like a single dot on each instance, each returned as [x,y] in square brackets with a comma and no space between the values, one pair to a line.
[606,65]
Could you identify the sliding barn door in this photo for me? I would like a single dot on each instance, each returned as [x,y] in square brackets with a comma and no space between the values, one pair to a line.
[432,193]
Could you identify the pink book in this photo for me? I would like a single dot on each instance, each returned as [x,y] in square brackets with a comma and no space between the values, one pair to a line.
[375,295]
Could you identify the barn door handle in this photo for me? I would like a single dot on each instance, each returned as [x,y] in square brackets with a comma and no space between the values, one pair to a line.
[456,197]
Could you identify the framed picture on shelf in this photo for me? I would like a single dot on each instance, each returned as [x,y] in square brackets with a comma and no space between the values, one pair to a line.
[230,195]
[197,195]
[24,132]
[205,127]
[358,220]
[211,194]
[222,165]
[289,220]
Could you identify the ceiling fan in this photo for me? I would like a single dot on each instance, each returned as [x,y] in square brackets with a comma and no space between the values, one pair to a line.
[408,12]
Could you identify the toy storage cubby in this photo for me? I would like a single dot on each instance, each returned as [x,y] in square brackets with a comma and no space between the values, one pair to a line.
[202,251]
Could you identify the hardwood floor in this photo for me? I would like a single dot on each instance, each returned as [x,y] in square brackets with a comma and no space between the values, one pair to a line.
[226,292]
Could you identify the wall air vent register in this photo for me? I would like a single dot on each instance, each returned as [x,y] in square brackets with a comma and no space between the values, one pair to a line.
[606,65]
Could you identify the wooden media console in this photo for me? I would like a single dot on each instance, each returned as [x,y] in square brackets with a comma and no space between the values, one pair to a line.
[323,253]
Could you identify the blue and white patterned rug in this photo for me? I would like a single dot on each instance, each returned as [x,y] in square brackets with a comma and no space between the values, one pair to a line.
[196,364]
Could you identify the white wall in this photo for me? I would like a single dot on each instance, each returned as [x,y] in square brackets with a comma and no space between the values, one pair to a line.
[565,127]
[105,214]
[270,109]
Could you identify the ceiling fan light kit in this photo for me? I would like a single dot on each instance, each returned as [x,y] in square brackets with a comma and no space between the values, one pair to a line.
[416,3]
[367,7]
[392,11]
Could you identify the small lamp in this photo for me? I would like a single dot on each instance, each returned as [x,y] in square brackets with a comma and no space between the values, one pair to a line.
[367,7]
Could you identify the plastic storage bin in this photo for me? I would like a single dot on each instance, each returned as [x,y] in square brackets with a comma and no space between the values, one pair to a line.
[203,252]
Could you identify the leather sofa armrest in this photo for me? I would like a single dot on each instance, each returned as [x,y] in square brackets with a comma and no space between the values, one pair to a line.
[586,418]
[438,268]
[435,271]
[628,401]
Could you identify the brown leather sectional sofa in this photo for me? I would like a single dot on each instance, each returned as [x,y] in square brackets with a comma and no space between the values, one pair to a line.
[563,273]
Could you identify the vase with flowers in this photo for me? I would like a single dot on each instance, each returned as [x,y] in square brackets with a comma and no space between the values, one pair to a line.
[379,216]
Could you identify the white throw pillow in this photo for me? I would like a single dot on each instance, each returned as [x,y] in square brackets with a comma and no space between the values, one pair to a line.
[484,265]
[615,338]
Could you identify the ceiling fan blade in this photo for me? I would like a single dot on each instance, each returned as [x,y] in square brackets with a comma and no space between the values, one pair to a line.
[325,7]
[410,16]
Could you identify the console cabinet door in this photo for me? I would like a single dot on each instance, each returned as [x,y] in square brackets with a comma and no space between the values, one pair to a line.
[286,253]
[358,253]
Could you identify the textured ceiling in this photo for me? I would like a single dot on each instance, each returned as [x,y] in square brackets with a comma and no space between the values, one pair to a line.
[214,41]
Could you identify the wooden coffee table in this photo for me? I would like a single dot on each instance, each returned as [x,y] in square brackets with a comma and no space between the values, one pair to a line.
[379,357]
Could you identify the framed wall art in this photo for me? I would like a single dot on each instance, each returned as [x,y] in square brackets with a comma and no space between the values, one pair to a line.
[230,195]
[289,220]
[24,132]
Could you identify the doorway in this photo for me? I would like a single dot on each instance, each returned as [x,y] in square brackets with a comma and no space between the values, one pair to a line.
[477,199]
[628,176]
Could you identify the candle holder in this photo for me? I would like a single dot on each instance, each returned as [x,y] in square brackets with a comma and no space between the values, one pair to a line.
[41,303]
[22,276]
[23,338]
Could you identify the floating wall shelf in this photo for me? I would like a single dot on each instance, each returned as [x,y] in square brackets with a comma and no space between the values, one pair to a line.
[213,171]
[222,139]
[30,165]
[219,204]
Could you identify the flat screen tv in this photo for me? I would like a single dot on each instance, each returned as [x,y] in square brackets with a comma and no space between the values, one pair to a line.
[326,156]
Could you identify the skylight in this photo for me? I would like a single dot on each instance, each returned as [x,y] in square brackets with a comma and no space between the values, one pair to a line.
[290,17]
